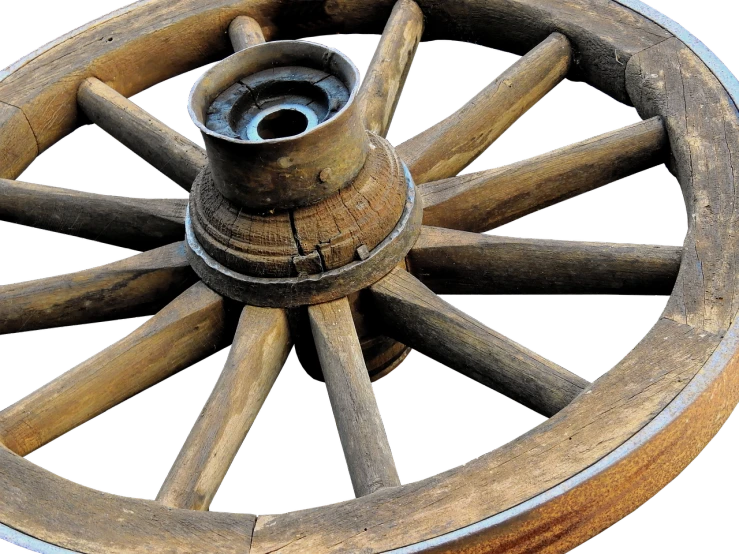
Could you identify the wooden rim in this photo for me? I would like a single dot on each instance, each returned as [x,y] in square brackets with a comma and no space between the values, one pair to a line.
[597,460]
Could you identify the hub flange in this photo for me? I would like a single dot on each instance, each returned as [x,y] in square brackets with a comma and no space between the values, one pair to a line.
[307,287]
[291,211]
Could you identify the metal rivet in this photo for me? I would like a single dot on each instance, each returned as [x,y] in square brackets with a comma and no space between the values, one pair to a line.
[326,175]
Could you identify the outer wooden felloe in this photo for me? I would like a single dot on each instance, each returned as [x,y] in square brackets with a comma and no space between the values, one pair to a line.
[124,525]
[18,146]
[487,492]
[362,433]
[259,351]
[703,123]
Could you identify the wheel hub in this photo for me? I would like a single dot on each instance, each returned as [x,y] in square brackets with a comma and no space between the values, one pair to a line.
[277,103]
[611,444]
[299,203]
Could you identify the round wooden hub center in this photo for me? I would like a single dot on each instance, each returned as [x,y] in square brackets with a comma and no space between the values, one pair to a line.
[307,255]
[306,241]
[299,204]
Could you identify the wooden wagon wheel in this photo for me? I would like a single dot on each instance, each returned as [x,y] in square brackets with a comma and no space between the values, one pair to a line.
[322,243]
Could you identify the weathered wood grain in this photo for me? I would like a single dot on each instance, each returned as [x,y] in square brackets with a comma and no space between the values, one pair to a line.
[18,147]
[418,318]
[135,223]
[604,34]
[130,50]
[703,124]
[250,243]
[174,155]
[451,145]
[317,164]
[455,262]
[322,287]
[259,351]
[363,213]
[245,32]
[362,433]
[389,68]
[617,407]
[97,523]
[313,239]
[482,201]
[137,286]
[123,51]
[192,327]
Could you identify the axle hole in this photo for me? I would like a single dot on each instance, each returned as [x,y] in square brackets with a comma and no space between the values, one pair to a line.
[282,124]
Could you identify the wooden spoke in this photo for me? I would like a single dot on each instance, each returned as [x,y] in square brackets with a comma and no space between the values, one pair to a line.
[189,329]
[455,262]
[415,316]
[134,287]
[245,32]
[362,433]
[135,223]
[482,201]
[174,155]
[447,148]
[389,69]
[260,349]
[596,426]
